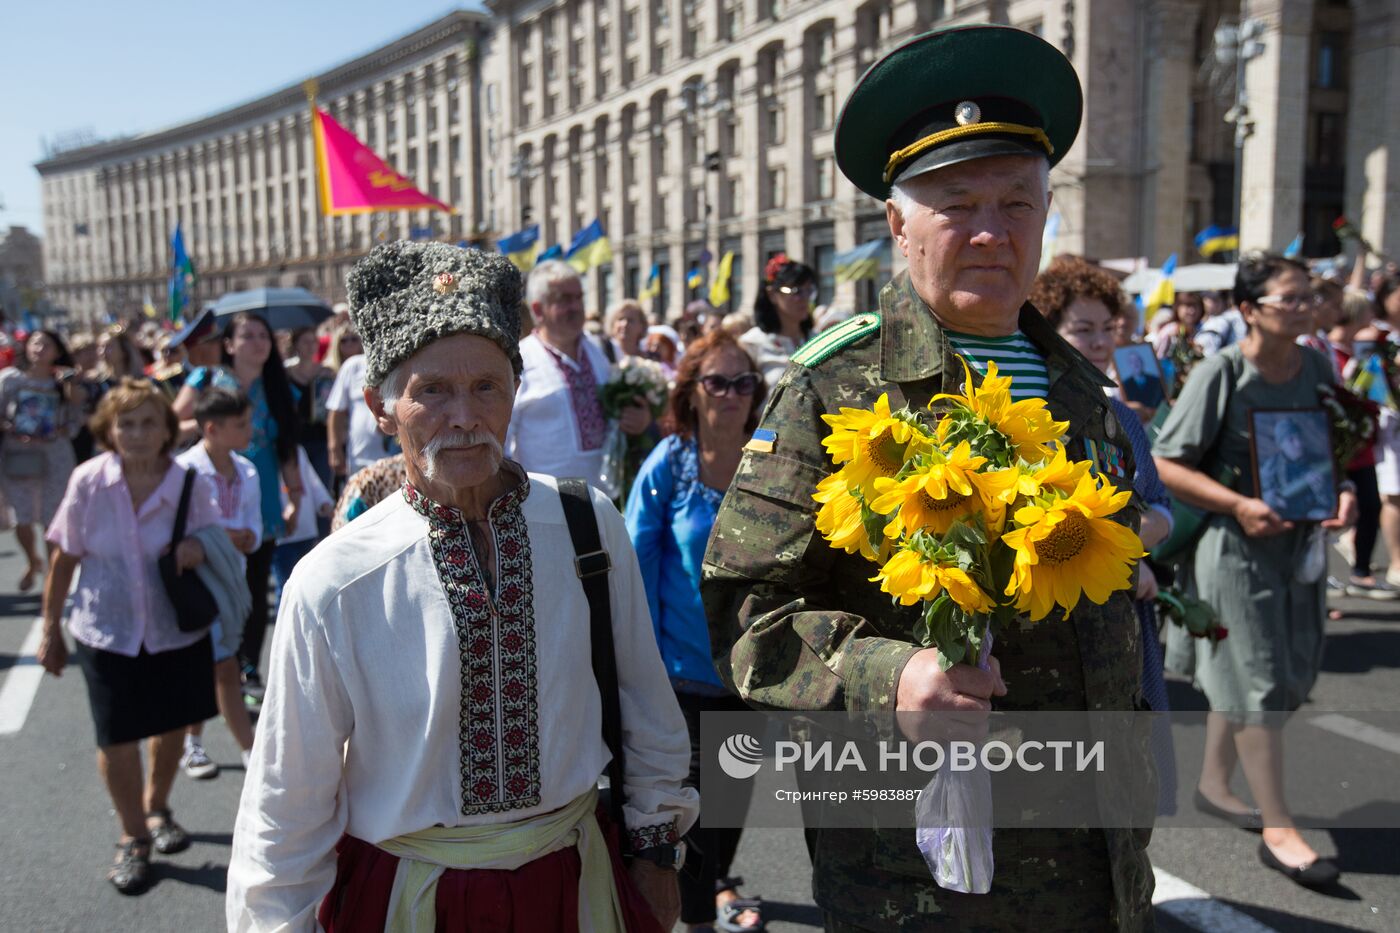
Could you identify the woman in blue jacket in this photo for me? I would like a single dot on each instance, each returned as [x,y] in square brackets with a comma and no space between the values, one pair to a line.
[714,408]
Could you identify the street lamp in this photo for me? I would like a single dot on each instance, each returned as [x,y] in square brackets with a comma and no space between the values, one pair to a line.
[698,100]
[1236,45]
[521,168]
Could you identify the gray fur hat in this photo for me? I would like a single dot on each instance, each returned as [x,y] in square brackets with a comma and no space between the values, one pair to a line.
[405,295]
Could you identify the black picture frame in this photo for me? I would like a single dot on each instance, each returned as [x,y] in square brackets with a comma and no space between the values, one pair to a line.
[1294,472]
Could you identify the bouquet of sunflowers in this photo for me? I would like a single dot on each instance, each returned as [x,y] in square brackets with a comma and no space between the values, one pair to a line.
[971,507]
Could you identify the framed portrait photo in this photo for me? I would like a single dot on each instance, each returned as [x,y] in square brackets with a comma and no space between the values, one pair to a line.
[1139,375]
[1293,467]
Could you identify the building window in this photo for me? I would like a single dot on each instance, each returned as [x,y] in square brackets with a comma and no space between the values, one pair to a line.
[604,39]
[733,196]
[776,195]
[824,47]
[629,70]
[659,53]
[1035,27]
[662,153]
[1326,149]
[629,24]
[391,130]
[604,80]
[825,110]
[551,65]
[525,115]
[730,20]
[551,105]
[774,122]
[823,179]
[661,15]
[432,117]
[491,103]
[1328,67]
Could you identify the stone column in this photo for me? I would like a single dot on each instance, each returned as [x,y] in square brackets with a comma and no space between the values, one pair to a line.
[1373,133]
[1171,29]
[1271,199]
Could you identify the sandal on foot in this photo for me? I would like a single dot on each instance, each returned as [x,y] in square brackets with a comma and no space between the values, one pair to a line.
[169,836]
[727,915]
[132,872]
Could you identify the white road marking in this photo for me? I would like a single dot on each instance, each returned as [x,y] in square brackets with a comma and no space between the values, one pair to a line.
[22,682]
[1197,909]
[1358,730]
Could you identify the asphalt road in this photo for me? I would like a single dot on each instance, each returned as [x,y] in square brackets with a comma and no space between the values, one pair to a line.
[59,828]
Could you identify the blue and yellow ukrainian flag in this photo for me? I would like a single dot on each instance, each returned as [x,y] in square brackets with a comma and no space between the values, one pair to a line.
[719,289]
[522,248]
[590,247]
[1215,239]
[695,277]
[652,287]
[863,262]
[554,252]
[1164,292]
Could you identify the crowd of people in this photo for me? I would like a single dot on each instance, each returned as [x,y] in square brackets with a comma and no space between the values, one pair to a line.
[389,487]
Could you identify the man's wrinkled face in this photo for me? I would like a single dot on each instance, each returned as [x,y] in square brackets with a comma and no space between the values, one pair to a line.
[452,417]
[561,313]
[973,238]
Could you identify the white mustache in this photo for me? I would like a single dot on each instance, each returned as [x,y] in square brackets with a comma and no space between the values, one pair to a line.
[459,439]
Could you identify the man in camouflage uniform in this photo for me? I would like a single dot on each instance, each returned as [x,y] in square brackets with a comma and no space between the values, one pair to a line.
[795,623]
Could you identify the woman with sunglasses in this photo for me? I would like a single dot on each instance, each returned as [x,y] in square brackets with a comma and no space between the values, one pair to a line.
[714,408]
[782,313]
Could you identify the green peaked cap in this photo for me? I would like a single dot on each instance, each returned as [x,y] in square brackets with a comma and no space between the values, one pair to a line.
[955,94]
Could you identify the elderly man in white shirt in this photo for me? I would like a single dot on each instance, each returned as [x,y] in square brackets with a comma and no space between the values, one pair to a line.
[432,736]
[559,424]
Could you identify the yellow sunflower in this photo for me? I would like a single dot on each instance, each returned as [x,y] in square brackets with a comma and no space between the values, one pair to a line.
[946,488]
[1027,424]
[1059,472]
[1066,547]
[909,577]
[872,442]
[839,518]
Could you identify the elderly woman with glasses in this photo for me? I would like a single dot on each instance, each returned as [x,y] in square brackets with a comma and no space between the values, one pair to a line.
[1251,564]
[714,407]
[782,315]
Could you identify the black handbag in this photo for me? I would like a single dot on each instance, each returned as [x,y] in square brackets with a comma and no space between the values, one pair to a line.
[195,606]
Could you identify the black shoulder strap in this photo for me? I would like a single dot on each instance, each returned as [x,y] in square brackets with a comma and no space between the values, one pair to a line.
[178,533]
[592,564]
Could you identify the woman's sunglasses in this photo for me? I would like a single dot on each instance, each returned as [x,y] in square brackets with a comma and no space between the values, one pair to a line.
[719,386]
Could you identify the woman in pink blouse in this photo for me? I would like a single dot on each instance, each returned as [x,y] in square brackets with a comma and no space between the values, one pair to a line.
[145,677]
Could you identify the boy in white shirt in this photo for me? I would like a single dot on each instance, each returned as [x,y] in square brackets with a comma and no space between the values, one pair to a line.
[226,421]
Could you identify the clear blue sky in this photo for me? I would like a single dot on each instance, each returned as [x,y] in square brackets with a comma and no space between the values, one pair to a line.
[129,67]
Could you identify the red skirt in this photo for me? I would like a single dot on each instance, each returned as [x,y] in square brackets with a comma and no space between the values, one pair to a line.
[538,897]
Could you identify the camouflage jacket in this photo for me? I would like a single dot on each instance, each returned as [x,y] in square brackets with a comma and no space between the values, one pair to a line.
[796,624]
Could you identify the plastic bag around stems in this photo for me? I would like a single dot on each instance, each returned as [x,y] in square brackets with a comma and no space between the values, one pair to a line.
[953,822]
[610,476]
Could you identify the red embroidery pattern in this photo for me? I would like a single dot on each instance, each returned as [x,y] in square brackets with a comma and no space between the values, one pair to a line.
[644,837]
[498,730]
[583,396]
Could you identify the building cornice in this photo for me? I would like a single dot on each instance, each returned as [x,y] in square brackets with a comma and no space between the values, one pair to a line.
[342,79]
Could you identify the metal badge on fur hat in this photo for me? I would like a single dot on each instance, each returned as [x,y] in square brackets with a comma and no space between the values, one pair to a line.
[405,295]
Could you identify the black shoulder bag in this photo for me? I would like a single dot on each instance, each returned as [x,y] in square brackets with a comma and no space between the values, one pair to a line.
[592,564]
[195,606]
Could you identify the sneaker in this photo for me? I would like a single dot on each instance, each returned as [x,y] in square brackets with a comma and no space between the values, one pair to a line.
[197,763]
[1345,545]
[1335,586]
[1373,590]
[1392,576]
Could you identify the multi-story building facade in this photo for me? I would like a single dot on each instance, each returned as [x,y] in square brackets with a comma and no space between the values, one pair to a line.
[694,127]
[242,183]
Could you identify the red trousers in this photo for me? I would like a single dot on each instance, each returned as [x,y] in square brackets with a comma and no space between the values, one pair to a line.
[538,897]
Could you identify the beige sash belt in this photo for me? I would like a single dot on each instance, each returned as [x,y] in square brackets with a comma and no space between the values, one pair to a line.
[425,855]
